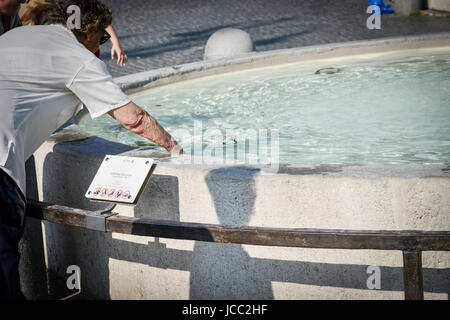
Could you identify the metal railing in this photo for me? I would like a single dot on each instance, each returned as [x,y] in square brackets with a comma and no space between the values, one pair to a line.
[411,243]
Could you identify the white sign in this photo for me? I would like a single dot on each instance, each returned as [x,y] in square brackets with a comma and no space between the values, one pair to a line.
[120,179]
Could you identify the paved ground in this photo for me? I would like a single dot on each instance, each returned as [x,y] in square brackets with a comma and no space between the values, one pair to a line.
[159,33]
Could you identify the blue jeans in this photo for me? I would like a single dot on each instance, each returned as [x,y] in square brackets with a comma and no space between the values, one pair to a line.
[12,225]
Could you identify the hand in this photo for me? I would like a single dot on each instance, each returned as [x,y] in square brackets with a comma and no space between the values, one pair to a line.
[121,56]
[177,149]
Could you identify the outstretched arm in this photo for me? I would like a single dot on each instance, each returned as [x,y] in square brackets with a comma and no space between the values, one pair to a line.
[139,121]
[116,49]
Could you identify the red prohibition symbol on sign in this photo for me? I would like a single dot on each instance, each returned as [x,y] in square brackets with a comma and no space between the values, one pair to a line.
[111,193]
[118,194]
[104,192]
[126,195]
[97,191]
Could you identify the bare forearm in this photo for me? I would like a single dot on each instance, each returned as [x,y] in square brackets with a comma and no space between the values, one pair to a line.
[152,130]
[112,33]
[139,121]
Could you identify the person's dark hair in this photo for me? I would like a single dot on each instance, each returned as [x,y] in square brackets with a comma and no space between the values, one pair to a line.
[95,15]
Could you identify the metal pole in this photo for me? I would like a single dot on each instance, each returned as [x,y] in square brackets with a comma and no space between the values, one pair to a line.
[412,275]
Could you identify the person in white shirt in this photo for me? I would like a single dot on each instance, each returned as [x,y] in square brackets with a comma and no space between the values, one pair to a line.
[46,72]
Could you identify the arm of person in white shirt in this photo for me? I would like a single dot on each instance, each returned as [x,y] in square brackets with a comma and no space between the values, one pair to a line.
[139,121]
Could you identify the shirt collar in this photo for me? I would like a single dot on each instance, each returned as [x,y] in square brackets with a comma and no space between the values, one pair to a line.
[64,28]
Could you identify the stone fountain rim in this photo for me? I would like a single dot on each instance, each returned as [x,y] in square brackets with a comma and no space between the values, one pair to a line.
[152,78]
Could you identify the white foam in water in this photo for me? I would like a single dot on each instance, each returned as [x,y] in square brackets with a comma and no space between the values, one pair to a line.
[387,110]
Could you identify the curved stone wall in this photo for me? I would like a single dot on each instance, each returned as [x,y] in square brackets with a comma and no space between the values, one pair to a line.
[376,197]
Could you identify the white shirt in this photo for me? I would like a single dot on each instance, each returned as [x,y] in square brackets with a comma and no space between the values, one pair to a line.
[45,73]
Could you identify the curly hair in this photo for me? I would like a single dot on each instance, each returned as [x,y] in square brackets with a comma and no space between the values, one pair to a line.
[95,15]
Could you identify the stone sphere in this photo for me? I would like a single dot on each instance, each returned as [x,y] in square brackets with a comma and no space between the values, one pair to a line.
[228,42]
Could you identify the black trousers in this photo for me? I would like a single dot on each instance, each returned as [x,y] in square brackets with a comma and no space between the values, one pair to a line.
[12,224]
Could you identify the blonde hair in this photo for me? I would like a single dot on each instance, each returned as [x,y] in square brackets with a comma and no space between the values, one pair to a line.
[30,11]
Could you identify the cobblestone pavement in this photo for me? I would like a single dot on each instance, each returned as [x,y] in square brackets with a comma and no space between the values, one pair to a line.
[160,33]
